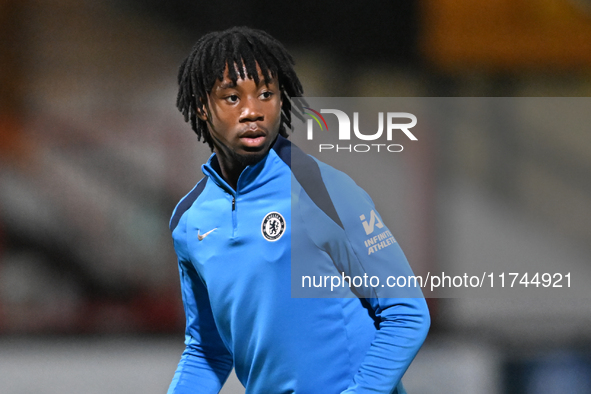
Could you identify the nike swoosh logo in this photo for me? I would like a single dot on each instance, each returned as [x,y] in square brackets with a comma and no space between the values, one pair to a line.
[201,236]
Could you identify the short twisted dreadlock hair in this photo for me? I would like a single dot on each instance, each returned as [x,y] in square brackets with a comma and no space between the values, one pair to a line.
[245,48]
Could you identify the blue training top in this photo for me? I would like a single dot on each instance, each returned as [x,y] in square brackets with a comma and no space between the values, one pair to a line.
[234,251]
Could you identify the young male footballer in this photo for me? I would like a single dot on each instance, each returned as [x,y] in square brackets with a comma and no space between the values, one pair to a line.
[260,199]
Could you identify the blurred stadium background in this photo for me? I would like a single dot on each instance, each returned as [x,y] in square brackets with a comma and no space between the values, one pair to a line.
[94,157]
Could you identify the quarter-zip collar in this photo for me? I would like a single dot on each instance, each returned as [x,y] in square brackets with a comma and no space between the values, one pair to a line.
[252,176]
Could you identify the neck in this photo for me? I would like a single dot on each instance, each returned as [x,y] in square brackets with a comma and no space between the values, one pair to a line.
[230,170]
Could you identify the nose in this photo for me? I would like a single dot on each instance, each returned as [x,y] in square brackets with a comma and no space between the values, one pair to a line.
[251,112]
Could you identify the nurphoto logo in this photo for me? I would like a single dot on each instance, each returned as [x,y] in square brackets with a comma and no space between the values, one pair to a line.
[393,125]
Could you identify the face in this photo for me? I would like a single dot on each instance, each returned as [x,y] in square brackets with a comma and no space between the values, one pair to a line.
[245,118]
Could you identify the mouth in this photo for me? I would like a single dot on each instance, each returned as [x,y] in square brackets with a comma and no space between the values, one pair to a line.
[253,138]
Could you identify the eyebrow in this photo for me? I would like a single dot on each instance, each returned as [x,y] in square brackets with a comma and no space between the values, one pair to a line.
[227,85]
[232,84]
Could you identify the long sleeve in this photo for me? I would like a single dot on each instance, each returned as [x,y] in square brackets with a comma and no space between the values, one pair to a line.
[403,321]
[402,329]
[206,362]
[368,248]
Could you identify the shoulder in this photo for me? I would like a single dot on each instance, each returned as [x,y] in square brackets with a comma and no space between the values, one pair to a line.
[310,174]
[341,187]
[331,190]
[186,203]
[351,202]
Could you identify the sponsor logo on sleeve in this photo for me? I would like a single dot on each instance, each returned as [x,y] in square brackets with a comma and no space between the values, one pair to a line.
[379,241]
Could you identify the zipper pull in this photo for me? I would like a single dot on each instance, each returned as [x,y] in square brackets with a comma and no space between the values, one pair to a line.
[233,203]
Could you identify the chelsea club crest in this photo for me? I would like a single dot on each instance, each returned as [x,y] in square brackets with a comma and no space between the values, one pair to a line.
[273,226]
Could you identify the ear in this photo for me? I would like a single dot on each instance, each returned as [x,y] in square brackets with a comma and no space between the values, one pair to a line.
[201,113]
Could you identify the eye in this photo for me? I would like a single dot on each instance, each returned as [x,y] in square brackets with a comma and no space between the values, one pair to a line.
[232,99]
[266,94]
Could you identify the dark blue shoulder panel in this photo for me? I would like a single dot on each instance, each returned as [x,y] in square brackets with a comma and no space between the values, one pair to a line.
[306,171]
[186,203]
